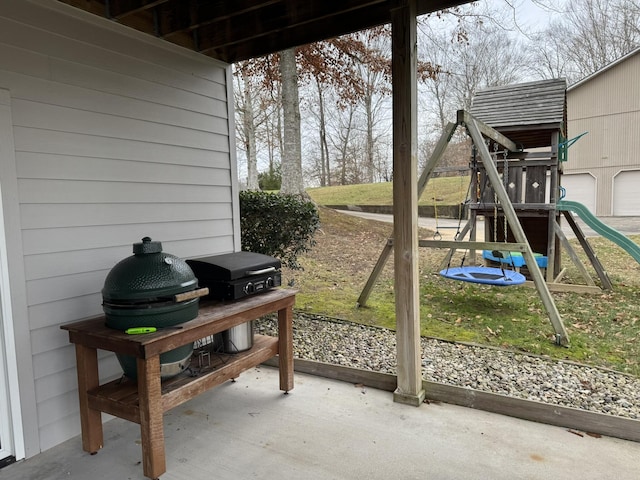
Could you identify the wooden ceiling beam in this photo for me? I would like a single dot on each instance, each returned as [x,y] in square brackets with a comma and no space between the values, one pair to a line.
[273,42]
[430,6]
[231,41]
[92,6]
[119,9]
[203,14]
[233,30]
[277,28]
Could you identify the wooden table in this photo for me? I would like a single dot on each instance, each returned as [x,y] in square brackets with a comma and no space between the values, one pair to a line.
[145,401]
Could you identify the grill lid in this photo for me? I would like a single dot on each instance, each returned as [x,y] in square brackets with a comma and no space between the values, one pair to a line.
[232,266]
[149,274]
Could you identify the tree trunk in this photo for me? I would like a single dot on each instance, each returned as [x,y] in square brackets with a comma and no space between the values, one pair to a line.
[250,135]
[369,167]
[292,182]
[344,148]
[325,172]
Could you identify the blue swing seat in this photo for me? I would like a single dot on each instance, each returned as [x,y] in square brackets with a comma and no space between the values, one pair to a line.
[484,275]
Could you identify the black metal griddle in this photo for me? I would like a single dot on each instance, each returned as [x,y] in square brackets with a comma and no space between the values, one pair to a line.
[232,276]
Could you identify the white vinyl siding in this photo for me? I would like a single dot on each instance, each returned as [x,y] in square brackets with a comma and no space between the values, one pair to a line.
[117,136]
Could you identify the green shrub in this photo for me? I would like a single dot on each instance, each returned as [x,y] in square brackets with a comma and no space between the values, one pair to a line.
[271,179]
[278,225]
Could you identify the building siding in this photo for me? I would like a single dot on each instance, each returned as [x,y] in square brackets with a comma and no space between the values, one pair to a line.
[606,106]
[117,136]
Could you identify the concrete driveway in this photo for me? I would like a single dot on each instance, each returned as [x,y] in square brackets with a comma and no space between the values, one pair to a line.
[448,227]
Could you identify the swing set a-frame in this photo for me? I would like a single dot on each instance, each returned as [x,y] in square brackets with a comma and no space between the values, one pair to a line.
[483,136]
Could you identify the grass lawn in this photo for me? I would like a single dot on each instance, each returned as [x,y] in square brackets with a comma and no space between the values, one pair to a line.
[604,328]
[445,191]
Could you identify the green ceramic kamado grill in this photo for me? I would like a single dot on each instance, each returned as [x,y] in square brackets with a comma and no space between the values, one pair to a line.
[152,289]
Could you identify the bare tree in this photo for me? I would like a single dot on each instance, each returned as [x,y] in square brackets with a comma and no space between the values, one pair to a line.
[438,100]
[342,130]
[489,58]
[250,133]
[372,73]
[589,35]
[348,70]
[271,133]
[246,128]
[325,168]
[475,54]
[602,31]
[292,182]
[547,53]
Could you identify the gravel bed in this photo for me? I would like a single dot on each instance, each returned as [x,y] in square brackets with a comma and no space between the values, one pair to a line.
[487,369]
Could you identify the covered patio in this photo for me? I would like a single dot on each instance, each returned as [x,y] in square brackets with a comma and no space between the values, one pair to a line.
[327,429]
[232,31]
[351,426]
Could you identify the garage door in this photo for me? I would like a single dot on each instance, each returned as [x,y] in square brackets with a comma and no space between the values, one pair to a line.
[580,187]
[626,201]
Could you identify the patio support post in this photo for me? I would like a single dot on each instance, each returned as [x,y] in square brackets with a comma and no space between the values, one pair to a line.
[405,202]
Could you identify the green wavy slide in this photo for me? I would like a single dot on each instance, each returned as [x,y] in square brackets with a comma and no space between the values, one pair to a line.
[606,231]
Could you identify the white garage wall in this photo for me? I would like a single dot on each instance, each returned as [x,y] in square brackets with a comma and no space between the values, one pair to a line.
[606,104]
[580,187]
[117,136]
[626,198]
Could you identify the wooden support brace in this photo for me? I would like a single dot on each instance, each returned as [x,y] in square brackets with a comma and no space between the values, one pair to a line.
[382,260]
[436,155]
[490,132]
[574,256]
[591,254]
[512,247]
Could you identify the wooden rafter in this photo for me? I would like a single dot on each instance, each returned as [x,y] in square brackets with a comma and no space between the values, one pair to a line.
[234,30]
[203,14]
[122,9]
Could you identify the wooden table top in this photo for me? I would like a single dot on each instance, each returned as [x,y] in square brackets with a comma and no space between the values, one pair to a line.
[213,317]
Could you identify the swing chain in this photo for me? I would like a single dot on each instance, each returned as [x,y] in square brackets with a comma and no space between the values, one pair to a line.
[495,196]
[505,175]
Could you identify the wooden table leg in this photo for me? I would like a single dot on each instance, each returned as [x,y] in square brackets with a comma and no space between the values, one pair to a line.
[151,416]
[285,348]
[90,419]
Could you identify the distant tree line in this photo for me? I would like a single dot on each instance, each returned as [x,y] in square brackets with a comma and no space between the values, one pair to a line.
[321,115]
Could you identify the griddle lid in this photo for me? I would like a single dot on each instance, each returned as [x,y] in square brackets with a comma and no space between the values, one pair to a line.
[232,266]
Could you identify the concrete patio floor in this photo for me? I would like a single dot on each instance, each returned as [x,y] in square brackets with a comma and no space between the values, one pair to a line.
[326,429]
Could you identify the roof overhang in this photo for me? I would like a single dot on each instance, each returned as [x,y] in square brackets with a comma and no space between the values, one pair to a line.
[235,30]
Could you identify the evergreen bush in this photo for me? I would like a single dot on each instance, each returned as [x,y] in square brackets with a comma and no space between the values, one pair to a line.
[271,179]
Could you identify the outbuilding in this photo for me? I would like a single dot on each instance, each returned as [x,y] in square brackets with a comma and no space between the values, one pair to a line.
[603,167]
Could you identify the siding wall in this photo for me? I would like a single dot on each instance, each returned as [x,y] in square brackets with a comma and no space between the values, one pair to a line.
[117,136]
[608,107]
